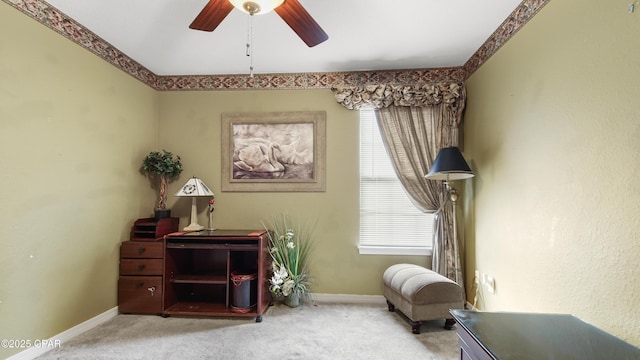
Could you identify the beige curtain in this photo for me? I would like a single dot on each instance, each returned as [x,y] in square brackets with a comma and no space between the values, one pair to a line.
[416,122]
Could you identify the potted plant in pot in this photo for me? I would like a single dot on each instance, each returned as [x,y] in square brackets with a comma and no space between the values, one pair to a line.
[163,166]
[290,246]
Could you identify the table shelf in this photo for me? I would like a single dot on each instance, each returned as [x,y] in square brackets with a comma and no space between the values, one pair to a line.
[199,279]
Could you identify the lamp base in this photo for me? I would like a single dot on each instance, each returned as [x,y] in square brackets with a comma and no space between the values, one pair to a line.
[193,227]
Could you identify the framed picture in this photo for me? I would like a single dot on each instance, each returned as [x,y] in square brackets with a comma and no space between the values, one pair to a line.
[275,151]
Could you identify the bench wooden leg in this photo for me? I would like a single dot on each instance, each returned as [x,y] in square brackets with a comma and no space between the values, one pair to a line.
[415,326]
[448,324]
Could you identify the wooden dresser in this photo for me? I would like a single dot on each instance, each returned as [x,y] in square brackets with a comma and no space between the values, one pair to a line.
[527,336]
[140,282]
[141,266]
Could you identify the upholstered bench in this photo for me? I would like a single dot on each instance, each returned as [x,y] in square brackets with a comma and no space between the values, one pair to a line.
[421,294]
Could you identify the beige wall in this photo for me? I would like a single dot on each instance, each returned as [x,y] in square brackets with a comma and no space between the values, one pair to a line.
[553,131]
[190,126]
[73,130]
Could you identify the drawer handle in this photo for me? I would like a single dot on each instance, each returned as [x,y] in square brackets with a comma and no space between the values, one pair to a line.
[139,285]
[141,267]
[152,290]
[141,250]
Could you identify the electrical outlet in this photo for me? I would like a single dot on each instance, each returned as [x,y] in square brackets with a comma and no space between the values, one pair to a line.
[490,283]
[476,279]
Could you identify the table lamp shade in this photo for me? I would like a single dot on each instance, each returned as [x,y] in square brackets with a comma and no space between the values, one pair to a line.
[449,165]
[194,188]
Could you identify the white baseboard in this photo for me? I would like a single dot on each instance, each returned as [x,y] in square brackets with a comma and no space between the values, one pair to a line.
[348,299]
[65,336]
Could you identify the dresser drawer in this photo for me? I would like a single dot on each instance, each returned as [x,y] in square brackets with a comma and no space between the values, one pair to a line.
[141,267]
[140,294]
[140,249]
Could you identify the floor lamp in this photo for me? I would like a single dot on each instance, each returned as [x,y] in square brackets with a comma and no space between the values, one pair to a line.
[194,188]
[450,165]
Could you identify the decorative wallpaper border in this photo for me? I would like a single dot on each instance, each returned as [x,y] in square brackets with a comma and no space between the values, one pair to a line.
[309,80]
[516,20]
[54,19]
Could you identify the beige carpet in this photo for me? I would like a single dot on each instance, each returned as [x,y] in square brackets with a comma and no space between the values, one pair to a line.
[321,331]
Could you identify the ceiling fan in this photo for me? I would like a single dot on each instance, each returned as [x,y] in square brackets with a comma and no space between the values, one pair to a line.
[291,11]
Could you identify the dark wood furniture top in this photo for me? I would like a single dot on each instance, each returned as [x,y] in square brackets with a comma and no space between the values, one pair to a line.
[522,336]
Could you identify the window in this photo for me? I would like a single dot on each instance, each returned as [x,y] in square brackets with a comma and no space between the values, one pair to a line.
[389,222]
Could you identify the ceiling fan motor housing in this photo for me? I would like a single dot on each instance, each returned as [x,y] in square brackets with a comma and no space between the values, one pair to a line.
[257,6]
[251,7]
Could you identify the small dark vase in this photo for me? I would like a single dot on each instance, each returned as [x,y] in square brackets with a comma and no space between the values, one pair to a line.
[162,214]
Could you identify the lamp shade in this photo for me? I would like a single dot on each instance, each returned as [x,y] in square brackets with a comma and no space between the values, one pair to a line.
[449,165]
[195,187]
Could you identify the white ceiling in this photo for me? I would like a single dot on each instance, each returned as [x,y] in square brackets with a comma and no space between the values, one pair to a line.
[363,35]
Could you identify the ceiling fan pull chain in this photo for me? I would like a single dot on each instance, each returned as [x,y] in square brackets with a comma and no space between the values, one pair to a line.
[249,44]
[249,36]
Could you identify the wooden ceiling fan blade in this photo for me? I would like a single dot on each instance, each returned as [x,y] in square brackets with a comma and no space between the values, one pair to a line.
[212,15]
[301,22]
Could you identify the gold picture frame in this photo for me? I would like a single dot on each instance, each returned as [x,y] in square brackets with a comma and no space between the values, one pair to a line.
[274,151]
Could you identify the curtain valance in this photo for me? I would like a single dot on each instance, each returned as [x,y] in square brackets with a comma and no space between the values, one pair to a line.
[382,96]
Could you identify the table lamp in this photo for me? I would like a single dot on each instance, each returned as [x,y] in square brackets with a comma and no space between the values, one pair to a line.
[194,188]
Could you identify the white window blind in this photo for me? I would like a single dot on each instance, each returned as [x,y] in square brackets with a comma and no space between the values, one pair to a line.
[389,222]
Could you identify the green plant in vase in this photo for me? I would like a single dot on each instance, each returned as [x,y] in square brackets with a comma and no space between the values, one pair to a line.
[165,167]
[290,247]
